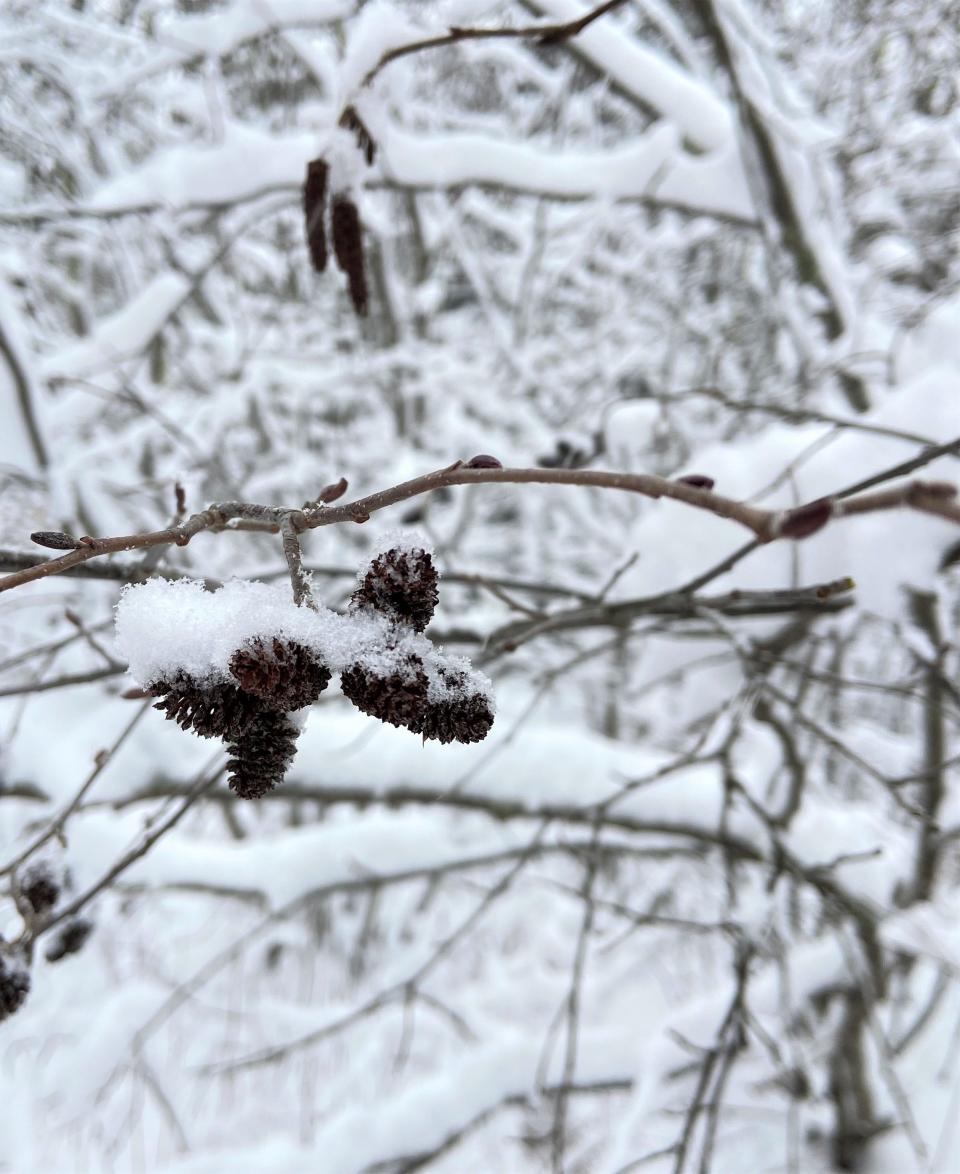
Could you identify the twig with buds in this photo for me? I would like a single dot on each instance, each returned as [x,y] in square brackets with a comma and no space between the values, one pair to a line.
[933,497]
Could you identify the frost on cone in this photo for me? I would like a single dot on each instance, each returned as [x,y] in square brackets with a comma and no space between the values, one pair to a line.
[260,754]
[348,248]
[402,585]
[452,707]
[398,698]
[70,939]
[464,715]
[283,674]
[14,988]
[39,888]
[212,710]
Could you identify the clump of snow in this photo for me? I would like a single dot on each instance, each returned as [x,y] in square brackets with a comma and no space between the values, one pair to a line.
[406,541]
[454,679]
[165,627]
[123,333]
[378,28]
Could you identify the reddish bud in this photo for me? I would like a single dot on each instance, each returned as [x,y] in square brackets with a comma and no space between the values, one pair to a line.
[54,540]
[696,481]
[806,519]
[332,492]
[484,461]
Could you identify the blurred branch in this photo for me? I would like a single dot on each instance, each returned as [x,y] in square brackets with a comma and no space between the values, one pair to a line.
[21,383]
[553,33]
[797,415]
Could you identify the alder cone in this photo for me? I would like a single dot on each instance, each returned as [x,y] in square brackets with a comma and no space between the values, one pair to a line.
[468,720]
[260,754]
[215,710]
[399,699]
[462,717]
[400,584]
[284,674]
[14,988]
[70,939]
[348,248]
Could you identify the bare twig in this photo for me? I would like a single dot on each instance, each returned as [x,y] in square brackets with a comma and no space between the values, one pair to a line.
[57,823]
[545,33]
[767,525]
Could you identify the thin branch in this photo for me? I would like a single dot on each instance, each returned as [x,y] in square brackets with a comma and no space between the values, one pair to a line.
[21,383]
[545,33]
[767,525]
[65,682]
[57,823]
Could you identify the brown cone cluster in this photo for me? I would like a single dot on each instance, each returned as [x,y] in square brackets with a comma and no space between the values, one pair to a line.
[273,678]
[402,585]
[406,682]
[14,988]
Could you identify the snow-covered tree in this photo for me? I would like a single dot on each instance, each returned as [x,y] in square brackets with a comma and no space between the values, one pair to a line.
[592,805]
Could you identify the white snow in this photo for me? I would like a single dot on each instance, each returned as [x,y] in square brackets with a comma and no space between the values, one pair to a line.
[123,334]
[165,626]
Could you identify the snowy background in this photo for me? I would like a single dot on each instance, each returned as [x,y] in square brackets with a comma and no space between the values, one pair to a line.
[694,904]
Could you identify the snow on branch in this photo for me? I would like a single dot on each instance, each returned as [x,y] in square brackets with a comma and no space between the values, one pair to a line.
[652,169]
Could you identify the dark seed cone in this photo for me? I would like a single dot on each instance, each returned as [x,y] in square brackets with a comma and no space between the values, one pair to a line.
[401,584]
[39,888]
[283,674]
[459,721]
[260,755]
[14,988]
[464,717]
[348,248]
[314,211]
[399,699]
[214,710]
[70,939]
